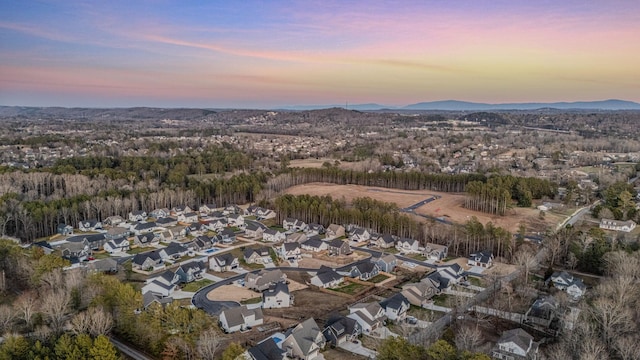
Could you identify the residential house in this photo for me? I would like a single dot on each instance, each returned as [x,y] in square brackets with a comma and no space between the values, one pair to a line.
[167,222]
[483,259]
[294,225]
[296,237]
[444,277]
[370,316]
[143,228]
[276,296]
[217,224]
[314,244]
[261,280]
[160,213]
[574,286]
[314,229]
[386,263]
[232,209]
[617,225]
[326,277]
[385,241]
[137,216]
[75,251]
[542,312]
[338,247]
[396,307]
[435,251]
[196,229]
[207,209]
[272,235]
[340,329]
[148,239]
[257,256]
[107,266]
[263,214]
[304,341]
[149,298]
[203,242]
[226,236]
[181,210]
[335,231]
[236,220]
[178,231]
[253,230]
[148,260]
[188,218]
[290,251]
[191,271]
[95,241]
[363,271]
[116,245]
[89,225]
[117,232]
[515,344]
[114,220]
[223,262]
[173,251]
[420,293]
[240,318]
[163,285]
[408,245]
[64,229]
[165,236]
[267,349]
[360,235]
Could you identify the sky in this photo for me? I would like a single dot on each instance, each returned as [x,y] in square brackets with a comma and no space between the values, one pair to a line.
[268,54]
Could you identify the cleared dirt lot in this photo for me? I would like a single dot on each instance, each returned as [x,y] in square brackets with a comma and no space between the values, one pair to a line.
[449,205]
[237,293]
[309,303]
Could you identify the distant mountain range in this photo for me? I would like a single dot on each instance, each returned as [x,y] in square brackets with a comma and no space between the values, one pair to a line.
[455,105]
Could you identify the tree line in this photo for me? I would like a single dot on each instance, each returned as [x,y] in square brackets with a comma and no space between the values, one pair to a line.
[496,195]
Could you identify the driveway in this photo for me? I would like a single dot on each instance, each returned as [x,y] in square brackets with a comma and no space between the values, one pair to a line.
[357,348]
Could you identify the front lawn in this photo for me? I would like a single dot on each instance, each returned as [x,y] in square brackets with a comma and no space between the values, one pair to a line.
[254,300]
[139,250]
[418,257]
[350,288]
[475,281]
[378,278]
[197,285]
[390,250]
[246,265]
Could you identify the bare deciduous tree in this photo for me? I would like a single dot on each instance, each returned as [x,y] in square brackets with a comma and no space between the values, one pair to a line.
[7,314]
[26,306]
[468,338]
[55,305]
[209,343]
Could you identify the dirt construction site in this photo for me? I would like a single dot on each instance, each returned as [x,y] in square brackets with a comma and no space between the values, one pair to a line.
[448,206]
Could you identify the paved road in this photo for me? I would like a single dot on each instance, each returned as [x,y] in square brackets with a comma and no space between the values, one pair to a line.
[129,351]
[214,308]
[376,253]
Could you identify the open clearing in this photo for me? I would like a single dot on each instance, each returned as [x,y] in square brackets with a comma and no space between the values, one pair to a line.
[449,206]
[237,293]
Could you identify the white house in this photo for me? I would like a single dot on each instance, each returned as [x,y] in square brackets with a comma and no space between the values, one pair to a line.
[271,235]
[326,277]
[240,318]
[335,231]
[188,218]
[625,226]
[515,344]
[482,259]
[294,224]
[89,225]
[314,244]
[396,307]
[370,316]
[116,245]
[290,251]
[360,235]
[435,251]
[574,286]
[164,284]
[408,245]
[138,215]
[304,341]
[236,220]
[223,262]
[277,296]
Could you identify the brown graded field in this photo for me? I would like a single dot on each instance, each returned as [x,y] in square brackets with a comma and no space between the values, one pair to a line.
[309,303]
[237,293]
[449,206]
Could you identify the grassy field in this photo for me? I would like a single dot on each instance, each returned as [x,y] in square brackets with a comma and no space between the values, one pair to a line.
[475,281]
[440,300]
[350,288]
[378,278]
[197,285]
[254,300]
[418,257]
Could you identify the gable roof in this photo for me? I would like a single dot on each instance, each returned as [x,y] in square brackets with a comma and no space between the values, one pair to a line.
[140,258]
[518,337]
[336,243]
[235,316]
[291,246]
[314,242]
[395,302]
[305,334]
[277,288]
[483,256]
[327,275]
[267,350]
[224,259]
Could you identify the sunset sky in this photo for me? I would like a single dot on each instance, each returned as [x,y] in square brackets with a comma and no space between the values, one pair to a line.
[265,54]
